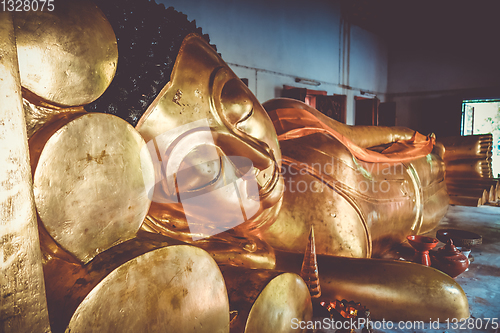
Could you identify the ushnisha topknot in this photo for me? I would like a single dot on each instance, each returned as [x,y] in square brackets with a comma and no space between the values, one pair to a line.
[149,37]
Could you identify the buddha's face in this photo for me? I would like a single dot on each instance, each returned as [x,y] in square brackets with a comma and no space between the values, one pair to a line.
[215,148]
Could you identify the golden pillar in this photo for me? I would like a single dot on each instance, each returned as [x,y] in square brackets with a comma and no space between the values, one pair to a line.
[24,306]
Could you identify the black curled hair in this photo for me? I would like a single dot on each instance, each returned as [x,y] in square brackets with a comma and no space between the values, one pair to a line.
[149,37]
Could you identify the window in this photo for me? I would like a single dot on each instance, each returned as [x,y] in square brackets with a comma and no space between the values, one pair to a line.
[483,117]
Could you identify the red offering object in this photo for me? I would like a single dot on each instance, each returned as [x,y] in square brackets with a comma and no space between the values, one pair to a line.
[450,260]
[422,244]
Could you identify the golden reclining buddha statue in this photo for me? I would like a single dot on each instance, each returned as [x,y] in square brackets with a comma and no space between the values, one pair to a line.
[375,185]
[193,220]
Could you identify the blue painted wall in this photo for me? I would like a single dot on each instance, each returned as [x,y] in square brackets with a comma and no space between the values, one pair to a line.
[271,42]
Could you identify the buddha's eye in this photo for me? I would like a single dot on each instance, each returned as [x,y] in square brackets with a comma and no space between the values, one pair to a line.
[248,115]
[237,104]
[200,168]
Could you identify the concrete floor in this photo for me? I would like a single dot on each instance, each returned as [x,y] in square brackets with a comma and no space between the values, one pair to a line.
[481,282]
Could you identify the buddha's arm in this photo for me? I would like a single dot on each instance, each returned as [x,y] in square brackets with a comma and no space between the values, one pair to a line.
[362,136]
[370,136]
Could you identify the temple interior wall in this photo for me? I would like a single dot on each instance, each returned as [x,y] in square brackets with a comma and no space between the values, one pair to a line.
[429,80]
[273,42]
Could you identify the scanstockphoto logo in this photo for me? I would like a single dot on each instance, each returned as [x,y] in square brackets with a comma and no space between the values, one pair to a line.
[372,178]
[216,192]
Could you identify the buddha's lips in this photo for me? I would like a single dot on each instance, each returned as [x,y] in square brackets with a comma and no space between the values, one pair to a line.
[264,176]
[267,186]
